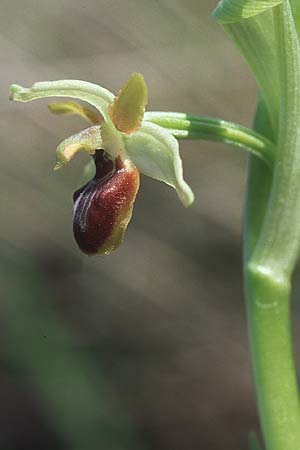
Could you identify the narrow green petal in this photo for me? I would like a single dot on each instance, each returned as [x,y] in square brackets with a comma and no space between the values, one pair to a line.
[91,93]
[74,108]
[155,152]
[88,140]
[229,11]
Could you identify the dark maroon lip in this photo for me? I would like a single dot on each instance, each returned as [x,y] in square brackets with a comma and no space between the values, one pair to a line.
[100,202]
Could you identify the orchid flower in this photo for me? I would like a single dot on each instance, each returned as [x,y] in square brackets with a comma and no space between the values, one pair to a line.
[121,145]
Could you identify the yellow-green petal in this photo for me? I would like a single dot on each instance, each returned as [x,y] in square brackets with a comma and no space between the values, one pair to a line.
[74,108]
[127,110]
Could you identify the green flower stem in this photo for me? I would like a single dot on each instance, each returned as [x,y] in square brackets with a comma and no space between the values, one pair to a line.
[187,126]
[274,370]
[271,248]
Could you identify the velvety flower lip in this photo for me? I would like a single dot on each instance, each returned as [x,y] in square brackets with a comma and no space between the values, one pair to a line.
[103,206]
[121,144]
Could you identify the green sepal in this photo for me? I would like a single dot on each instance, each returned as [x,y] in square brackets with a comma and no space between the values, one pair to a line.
[155,153]
[97,96]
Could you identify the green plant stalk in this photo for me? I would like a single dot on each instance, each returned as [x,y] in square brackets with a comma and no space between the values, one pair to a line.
[273,365]
[271,246]
[187,126]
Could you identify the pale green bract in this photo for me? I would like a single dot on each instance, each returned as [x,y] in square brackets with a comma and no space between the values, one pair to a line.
[295,4]
[250,24]
[229,11]
[256,40]
[152,149]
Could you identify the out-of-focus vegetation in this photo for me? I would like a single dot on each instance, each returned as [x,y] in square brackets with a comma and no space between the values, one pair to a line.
[147,348]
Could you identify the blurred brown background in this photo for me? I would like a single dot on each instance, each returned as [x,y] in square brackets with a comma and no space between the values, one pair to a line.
[147,348]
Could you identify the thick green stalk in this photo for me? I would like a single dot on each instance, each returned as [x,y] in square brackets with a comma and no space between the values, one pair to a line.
[271,247]
[274,370]
[187,126]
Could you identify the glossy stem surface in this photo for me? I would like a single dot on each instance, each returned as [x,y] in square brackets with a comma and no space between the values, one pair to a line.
[187,126]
